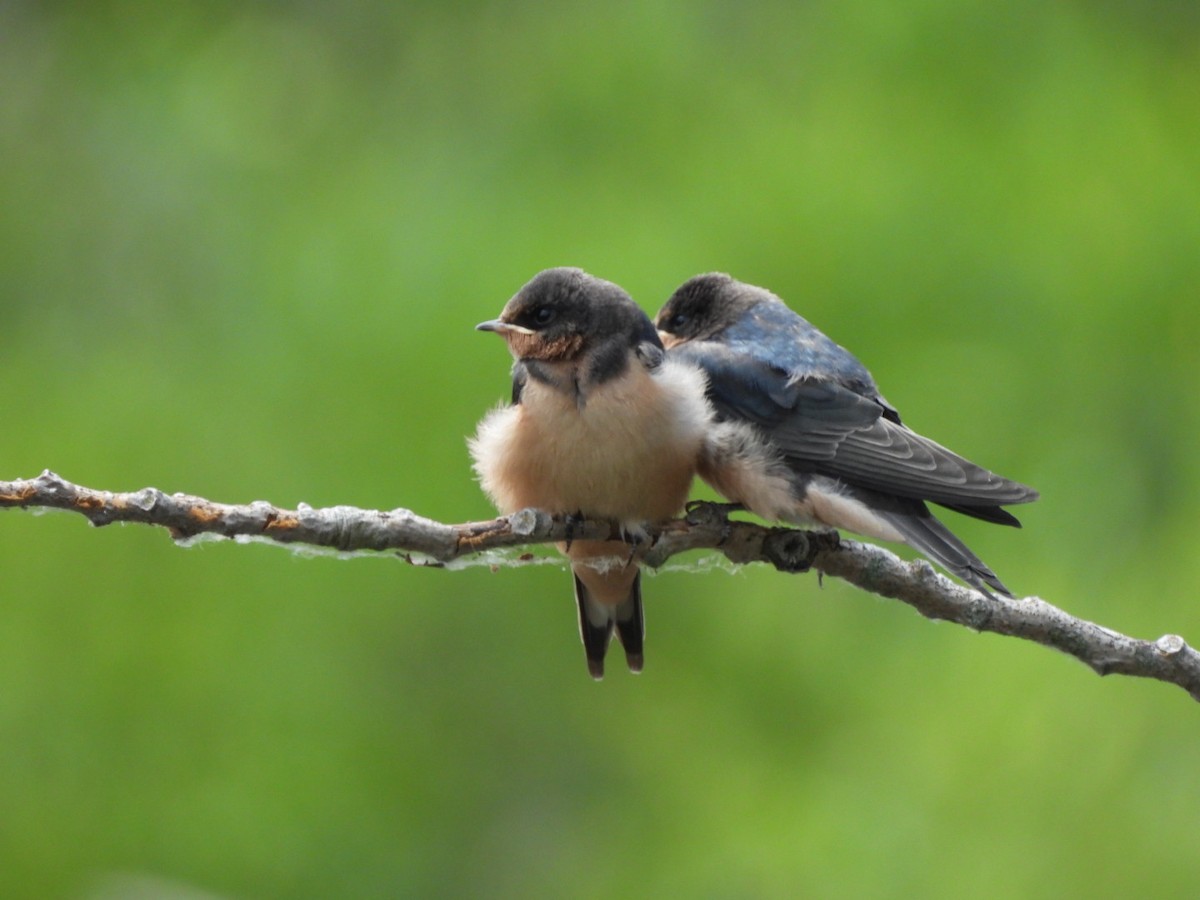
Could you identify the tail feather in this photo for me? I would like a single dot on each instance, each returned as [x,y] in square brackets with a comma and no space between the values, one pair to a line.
[595,629]
[631,625]
[993,514]
[598,620]
[922,531]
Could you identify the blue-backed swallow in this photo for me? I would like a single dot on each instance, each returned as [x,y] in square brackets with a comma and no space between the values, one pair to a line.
[602,424]
[804,436]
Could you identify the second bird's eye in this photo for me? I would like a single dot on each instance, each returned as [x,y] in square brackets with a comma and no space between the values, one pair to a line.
[677,321]
[543,315]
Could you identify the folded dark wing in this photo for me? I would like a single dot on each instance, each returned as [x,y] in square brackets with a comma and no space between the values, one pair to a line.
[821,427]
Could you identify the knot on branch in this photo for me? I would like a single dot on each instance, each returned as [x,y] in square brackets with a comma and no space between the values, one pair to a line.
[789,551]
[1170,645]
[529,523]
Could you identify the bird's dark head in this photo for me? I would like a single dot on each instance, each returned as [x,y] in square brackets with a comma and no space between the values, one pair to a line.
[562,313]
[703,307]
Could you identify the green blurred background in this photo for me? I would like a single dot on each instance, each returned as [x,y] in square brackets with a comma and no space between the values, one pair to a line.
[243,249]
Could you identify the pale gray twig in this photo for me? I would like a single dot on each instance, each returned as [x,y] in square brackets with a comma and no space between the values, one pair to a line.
[403,532]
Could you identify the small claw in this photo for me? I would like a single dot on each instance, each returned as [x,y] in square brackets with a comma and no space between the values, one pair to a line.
[635,541]
[706,512]
[572,521]
[699,511]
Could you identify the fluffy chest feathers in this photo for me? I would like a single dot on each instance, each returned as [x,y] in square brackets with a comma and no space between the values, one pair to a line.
[628,451]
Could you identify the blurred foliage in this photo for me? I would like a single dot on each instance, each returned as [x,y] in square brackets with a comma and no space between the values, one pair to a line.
[244,249]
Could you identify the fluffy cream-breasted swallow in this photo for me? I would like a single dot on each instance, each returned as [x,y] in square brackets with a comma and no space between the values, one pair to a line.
[602,424]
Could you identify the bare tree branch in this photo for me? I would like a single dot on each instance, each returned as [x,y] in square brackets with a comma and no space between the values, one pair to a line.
[403,532]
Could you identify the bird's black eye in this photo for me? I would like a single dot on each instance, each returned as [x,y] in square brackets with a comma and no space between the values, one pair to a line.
[677,322]
[543,316]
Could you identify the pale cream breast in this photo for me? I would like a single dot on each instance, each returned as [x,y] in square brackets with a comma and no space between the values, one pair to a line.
[626,450]
[745,469]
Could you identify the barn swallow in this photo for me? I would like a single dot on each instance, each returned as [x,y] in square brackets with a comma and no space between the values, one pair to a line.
[803,435]
[602,424]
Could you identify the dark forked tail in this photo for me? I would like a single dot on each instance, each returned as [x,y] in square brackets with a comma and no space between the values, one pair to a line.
[597,621]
